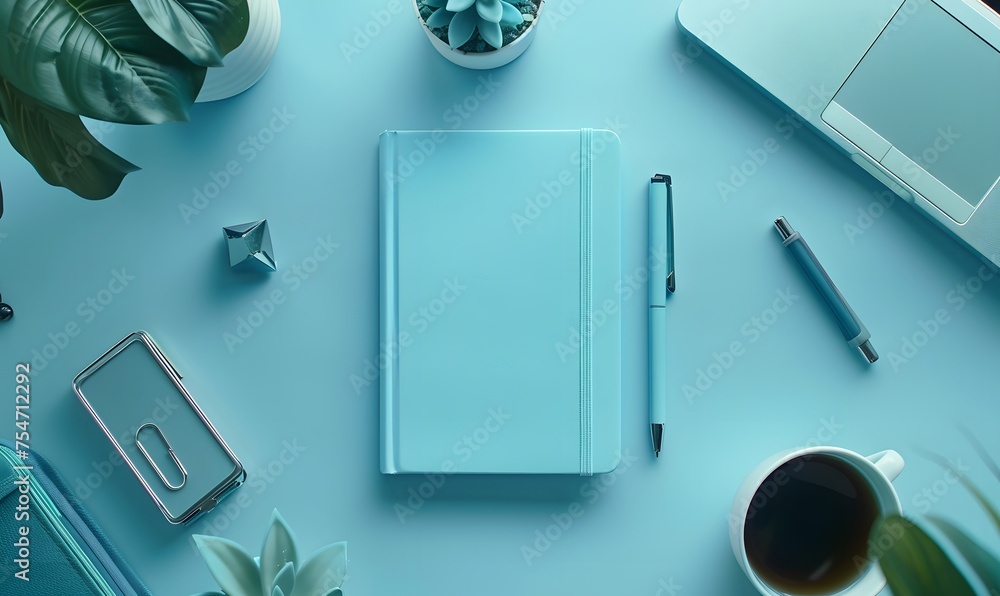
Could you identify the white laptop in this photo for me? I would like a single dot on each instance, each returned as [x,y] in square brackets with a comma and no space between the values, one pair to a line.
[909,89]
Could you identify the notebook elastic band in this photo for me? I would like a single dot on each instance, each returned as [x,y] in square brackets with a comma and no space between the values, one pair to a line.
[586,405]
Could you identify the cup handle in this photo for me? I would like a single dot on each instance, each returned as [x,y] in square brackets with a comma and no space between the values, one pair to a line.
[888,462]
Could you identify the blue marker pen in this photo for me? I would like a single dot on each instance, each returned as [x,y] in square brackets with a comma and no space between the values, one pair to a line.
[853,329]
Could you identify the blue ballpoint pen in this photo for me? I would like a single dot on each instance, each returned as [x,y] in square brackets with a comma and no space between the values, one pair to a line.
[854,331]
[661,283]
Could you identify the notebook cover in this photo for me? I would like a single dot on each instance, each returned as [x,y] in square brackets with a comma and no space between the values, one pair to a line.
[500,314]
[69,554]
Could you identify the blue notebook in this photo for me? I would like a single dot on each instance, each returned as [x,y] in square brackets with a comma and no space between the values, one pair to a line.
[500,312]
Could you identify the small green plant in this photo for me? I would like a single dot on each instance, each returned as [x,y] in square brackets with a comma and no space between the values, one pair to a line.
[915,564]
[277,572]
[462,18]
[123,61]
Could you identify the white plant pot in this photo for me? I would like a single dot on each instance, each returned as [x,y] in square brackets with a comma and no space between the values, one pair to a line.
[482,60]
[245,65]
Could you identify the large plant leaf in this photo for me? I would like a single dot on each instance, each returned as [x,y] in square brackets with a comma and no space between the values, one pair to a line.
[984,455]
[913,564]
[231,566]
[95,58]
[986,566]
[60,148]
[969,486]
[203,30]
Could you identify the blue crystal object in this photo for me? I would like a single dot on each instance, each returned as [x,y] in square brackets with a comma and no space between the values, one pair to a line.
[250,243]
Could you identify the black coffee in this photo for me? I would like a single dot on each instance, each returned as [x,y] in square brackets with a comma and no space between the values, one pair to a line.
[807,523]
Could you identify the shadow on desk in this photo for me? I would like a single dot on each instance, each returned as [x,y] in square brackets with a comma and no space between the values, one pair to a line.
[487,487]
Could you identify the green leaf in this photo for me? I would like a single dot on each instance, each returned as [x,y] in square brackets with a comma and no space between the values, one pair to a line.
[462,26]
[460,5]
[913,564]
[59,146]
[511,15]
[981,451]
[323,570]
[969,486]
[278,551]
[986,566]
[96,58]
[203,30]
[435,3]
[231,566]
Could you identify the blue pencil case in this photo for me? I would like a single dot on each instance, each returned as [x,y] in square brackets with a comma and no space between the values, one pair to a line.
[53,546]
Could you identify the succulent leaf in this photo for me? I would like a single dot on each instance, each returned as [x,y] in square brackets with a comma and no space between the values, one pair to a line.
[490,10]
[277,554]
[230,565]
[463,25]
[491,33]
[435,3]
[285,580]
[323,569]
[511,15]
[460,5]
[440,19]
[334,592]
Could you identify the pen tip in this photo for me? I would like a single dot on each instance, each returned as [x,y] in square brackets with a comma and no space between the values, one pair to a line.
[869,351]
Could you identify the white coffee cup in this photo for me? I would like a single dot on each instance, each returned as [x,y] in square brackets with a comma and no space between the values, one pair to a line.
[878,471]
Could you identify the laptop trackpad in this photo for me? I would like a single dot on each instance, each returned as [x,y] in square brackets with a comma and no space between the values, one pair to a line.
[923,102]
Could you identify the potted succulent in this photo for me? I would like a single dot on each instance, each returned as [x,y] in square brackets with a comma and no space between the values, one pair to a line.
[479,34]
[122,61]
[278,571]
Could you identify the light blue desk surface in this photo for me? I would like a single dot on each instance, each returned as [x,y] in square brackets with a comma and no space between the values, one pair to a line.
[284,399]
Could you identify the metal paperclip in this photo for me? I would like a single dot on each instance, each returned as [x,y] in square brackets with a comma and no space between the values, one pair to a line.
[170,450]
[124,391]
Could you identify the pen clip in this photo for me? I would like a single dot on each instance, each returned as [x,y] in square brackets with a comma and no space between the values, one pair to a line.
[662,229]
